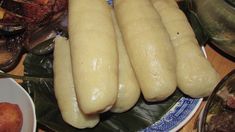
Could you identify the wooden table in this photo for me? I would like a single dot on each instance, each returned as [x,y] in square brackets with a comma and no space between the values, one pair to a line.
[220,63]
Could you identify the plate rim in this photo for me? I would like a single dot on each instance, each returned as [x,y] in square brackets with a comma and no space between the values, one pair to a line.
[190,115]
[31,102]
[180,123]
[11,80]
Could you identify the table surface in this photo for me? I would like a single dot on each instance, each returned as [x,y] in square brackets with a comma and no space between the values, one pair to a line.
[222,65]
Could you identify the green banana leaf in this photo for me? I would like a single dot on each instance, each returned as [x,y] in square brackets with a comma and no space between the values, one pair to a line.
[48,115]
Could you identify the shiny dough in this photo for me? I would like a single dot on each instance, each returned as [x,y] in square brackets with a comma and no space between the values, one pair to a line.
[94,54]
[195,75]
[128,88]
[64,88]
[149,48]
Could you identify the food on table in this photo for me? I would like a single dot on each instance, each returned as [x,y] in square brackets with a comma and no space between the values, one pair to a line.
[64,88]
[195,75]
[28,14]
[222,117]
[171,3]
[128,88]
[89,76]
[11,118]
[223,122]
[227,97]
[219,112]
[94,54]
[148,46]
[26,25]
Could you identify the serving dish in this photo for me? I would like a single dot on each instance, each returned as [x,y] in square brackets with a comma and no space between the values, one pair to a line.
[169,115]
[219,112]
[12,92]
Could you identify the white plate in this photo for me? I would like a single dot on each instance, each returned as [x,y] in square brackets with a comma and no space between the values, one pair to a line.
[12,92]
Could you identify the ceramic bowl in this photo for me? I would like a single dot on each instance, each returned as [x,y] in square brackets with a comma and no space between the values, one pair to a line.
[219,111]
[12,92]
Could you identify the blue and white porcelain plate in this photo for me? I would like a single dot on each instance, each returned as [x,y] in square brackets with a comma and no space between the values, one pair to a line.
[178,115]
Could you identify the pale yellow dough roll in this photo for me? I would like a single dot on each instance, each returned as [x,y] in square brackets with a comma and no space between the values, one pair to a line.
[148,46]
[64,88]
[171,3]
[94,54]
[128,88]
[195,75]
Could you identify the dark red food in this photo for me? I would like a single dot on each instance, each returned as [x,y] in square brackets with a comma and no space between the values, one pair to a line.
[223,122]
[26,24]
[30,12]
[11,118]
[35,13]
[231,101]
